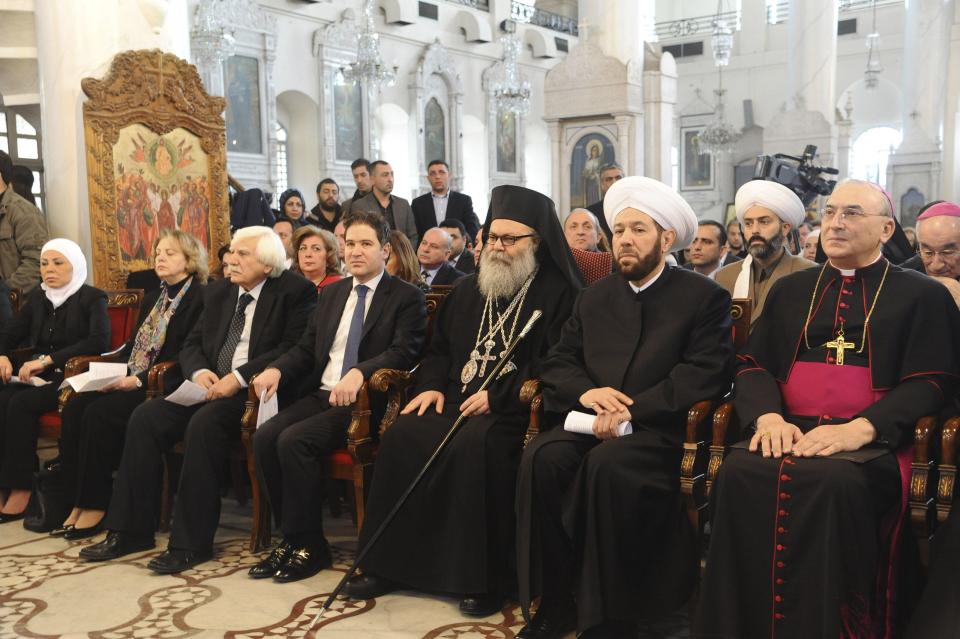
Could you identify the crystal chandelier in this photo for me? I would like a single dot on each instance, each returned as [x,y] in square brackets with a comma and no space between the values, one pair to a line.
[369,69]
[212,35]
[871,75]
[511,90]
[719,136]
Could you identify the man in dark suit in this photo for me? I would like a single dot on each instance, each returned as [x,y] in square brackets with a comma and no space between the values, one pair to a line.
[395,210]
[610,174]
[362,324]
[433,253]
[443,204]
[246,323]
[460,257]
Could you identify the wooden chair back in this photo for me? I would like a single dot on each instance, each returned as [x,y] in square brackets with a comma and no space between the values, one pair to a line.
[123,307]
[16,298]
[740,312]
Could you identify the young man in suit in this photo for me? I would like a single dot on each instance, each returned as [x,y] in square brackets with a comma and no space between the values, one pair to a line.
[247,322]
[461,258]
[433,254]
[362,324]
[395,210]
[443,204]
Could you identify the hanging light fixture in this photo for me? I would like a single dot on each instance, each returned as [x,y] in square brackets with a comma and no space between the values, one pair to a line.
[369,68]
[871,75]
[720,136]
[511,89]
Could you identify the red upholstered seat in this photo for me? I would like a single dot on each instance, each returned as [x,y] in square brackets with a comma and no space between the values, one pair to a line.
[341,456]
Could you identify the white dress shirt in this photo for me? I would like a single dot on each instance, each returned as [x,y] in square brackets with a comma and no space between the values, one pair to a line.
[241,355]
[440,206]
[429,273]
[332,371]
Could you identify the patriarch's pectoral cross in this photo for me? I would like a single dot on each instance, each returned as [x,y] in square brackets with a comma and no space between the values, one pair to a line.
[840,345]
[487,356]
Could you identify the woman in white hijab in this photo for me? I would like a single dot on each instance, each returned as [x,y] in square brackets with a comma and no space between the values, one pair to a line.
[60,319]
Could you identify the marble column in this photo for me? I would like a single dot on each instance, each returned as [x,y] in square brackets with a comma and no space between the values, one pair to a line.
[78,40]
[918,162]
[659,103]
[619,28]
[752,37]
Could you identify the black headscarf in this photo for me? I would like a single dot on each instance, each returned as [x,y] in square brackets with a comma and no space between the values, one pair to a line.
[286,195]
[539,213]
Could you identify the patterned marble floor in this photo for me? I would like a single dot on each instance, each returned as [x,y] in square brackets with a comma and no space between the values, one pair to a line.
[47,592]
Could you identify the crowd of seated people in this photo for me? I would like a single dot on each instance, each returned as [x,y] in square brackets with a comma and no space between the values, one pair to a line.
[308,304]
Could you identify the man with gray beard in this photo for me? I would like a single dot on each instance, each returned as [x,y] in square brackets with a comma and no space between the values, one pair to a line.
[455,533]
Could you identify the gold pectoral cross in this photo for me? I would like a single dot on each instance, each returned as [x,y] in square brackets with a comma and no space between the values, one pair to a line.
[840,345]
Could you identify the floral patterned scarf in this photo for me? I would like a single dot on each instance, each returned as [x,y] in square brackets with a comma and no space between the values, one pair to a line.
[153,331]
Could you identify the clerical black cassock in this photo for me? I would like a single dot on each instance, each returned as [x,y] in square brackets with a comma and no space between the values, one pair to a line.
[455,533]
[604,520]
[806,547]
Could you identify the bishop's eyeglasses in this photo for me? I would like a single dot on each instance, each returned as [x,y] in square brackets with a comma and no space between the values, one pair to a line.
[506,240]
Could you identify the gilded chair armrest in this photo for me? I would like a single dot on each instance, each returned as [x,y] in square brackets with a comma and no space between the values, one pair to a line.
[395,383]
[77,365]
[156,386]
[693,464]
[921,500]
[530,389]
[359,441]
[718,443]
[947,468]
[697,421]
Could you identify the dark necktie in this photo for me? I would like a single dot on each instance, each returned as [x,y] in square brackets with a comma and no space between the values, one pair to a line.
[225,358]
[352,350]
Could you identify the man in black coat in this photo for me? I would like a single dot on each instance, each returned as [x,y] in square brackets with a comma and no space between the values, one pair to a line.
[362,324]
[461,258]
[610,174]
[247,322]
[602,537]
[443,204]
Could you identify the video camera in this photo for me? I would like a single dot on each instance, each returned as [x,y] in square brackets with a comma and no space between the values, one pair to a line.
[797,173]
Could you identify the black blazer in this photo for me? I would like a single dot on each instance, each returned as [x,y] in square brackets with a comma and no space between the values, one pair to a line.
[459,207]
[179,327]
[279,320]
[465,263]
[81,325]
[394,330]
[597,209]
[446,276]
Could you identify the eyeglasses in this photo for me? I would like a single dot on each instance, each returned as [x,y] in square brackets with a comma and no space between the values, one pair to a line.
[848,215]
[946,254]
[507,240]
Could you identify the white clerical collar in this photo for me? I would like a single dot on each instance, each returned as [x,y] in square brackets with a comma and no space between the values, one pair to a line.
[637,289]
[850,272]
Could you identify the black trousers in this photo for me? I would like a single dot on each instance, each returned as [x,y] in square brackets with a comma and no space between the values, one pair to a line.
[20,408]
[289,449]
[155,427]
[91,443]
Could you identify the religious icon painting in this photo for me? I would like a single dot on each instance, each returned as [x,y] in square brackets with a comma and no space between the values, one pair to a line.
[590,154]
[696,165]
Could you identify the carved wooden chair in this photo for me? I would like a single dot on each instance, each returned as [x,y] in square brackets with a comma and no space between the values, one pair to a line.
[16,296]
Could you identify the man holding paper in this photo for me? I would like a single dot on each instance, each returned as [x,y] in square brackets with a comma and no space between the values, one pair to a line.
[247,322]
[362,324]
[602,537]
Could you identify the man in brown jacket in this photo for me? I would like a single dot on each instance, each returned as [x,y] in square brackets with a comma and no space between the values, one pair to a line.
[23,232]
[767,212]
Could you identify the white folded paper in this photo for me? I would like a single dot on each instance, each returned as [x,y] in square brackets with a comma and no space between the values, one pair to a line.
[268,408]
[99,375]
[582,423]
[34,381]
[188,394]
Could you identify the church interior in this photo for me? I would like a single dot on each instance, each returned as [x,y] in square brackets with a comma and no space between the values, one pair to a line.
[700,95]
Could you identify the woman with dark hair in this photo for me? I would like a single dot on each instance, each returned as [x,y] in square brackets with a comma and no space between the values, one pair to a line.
[222,253]
[292,206]
[94,423]
[23,183]
[318,256]
[402,261]
[61,318]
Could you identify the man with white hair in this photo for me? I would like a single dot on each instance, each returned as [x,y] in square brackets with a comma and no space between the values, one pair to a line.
[767,212]
[582,230]
[806,511]
[248,321]
[602,537]
[433,253]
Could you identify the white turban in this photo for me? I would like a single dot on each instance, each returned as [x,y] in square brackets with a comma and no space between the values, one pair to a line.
[770,195]
[657,200]
[773,196]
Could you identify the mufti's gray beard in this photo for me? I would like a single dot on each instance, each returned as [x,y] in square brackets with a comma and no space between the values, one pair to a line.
[768,249]
[500,276]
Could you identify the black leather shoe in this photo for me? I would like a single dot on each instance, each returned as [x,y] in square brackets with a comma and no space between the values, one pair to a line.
[551,623]
[611,630]
[60,531]
[6,518]
[269,566]
[117,544]
[303,562]
[368,587]
[482,605]
[172,561]
[75,533]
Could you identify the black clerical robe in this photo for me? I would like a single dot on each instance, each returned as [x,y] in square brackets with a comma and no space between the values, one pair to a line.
[455,533]
[604,520]
[807,547]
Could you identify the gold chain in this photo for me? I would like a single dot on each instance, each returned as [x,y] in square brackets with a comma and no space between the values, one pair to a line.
[866,322]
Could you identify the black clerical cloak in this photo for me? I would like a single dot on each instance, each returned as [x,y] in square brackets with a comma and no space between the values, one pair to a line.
[455,533]
[624,545]
[807,547]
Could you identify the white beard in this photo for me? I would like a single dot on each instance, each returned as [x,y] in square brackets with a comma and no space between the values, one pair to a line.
[501,277]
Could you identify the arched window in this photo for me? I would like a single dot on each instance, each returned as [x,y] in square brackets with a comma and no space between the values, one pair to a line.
[870,153]
[21,141]
[282,168]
